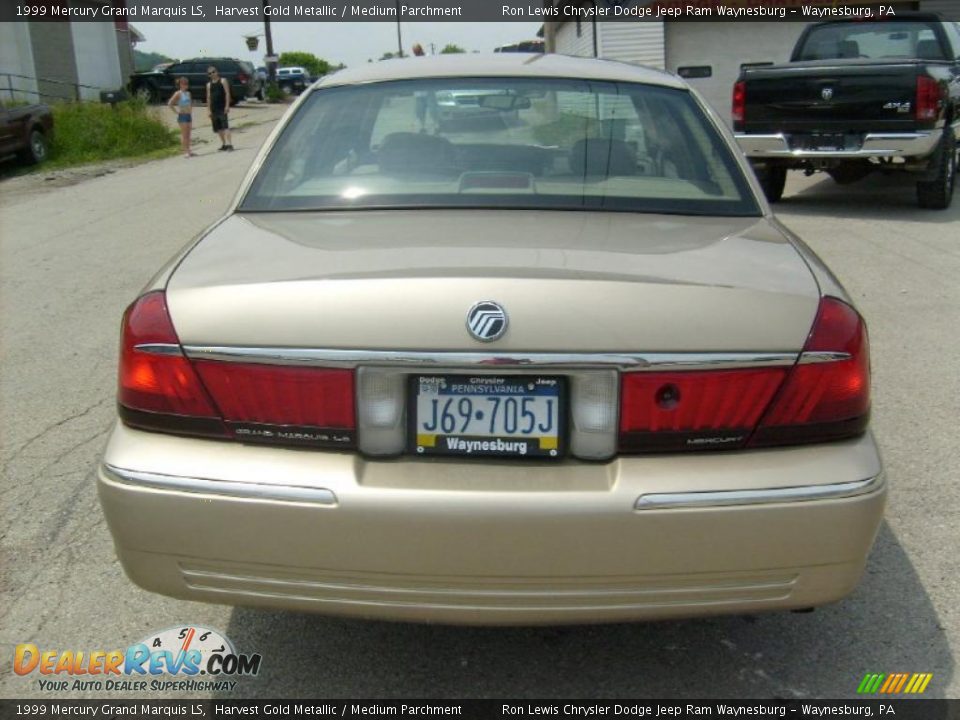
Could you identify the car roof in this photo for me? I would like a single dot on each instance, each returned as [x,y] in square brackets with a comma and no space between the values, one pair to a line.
[501,65]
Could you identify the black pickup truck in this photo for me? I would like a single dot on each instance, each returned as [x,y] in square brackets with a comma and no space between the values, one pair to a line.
[858,96]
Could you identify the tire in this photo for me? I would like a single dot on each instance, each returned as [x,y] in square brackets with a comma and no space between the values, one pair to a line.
[773,179]
[147,93]
[937,194]
[37,148]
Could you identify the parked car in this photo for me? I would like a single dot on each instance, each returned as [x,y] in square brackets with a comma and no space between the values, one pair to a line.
[858,97]
[293,80]
[571,370]
[26,131]
[158,86]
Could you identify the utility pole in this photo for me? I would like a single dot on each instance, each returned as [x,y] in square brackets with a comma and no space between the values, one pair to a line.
[271,64]
[399,41]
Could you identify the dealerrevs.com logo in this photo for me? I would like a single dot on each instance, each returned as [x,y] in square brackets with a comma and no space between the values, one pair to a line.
[187,658]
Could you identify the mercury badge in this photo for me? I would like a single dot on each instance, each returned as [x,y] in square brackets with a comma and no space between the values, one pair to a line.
[827,94]
[487,321]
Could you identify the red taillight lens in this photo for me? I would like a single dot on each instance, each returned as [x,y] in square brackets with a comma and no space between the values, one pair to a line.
[739,103]
[280,395]
[242,78]
[160,389]
[693,410]
[929,98]
[157,385]
[824,398]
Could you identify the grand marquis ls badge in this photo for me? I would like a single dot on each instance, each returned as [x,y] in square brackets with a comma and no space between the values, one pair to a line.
[487,321]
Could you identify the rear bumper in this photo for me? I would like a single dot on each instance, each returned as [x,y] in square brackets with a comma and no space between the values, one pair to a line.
[484,543]
[875,145]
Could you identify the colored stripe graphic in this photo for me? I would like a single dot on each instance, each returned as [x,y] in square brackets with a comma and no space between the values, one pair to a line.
[871,683]
[894,683]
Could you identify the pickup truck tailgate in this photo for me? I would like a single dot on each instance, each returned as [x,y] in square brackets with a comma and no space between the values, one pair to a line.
[847,95]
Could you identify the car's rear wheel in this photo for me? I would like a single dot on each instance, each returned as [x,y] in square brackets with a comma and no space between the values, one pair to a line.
[773,179]
[37,149]
[937,194]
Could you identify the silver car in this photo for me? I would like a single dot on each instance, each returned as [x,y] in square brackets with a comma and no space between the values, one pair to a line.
[563,369]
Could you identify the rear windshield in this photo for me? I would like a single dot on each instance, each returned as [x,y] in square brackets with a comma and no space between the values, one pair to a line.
[501,142]
[871,40]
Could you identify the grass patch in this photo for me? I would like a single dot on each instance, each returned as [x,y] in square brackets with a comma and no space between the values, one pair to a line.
[92,132]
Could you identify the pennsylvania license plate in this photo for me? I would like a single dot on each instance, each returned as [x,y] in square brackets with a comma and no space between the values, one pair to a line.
[482,415]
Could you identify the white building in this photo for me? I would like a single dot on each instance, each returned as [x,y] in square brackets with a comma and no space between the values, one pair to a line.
[708,54]
[44,61]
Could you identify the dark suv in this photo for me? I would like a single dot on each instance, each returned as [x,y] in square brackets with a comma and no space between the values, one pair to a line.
[158,86]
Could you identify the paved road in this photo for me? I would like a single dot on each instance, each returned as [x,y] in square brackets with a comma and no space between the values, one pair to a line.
[73,255]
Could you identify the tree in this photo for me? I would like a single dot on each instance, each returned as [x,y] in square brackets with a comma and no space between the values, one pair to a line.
[146,61]
[310,62]
[452,49]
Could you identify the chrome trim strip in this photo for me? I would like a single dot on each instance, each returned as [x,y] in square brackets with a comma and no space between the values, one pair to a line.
[224,488]
[808,358]
[726,498]
[159,348]
[491,361]
[777,145]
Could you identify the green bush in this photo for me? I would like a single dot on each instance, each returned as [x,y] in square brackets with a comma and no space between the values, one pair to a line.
[90,132]
[274,94]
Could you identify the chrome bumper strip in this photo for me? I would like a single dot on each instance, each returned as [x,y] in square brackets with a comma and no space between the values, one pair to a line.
[726,498]
[485,360]
[877,145]
[225,488]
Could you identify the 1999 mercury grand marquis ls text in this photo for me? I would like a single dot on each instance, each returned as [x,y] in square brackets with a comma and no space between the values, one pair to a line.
[551,362]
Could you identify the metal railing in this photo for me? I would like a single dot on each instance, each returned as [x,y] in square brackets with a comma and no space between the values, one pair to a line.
[7,88]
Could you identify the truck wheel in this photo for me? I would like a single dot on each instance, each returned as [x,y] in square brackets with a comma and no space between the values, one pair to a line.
[937,194]
[772,179]
[36,150]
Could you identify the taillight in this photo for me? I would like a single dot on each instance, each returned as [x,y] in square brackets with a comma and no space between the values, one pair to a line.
[242,77]
[695,410]
[162,390]
[739,104]
[311,406]
[827,395]
[929,98]
[158,388]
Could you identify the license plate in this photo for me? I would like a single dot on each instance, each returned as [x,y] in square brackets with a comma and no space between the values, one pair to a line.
[482,415]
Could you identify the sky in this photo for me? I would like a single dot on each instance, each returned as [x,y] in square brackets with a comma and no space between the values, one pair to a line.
[347,43]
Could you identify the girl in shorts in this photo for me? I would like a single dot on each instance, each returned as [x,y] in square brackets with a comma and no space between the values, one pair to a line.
[182,105]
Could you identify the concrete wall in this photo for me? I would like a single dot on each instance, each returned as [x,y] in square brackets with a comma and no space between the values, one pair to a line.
[16,58]
[53,60]
[97,58]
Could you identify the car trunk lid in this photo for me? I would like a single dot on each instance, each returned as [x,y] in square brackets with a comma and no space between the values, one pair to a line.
[568,281]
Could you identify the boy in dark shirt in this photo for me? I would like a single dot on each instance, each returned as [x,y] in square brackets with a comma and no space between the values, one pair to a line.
[218,106]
